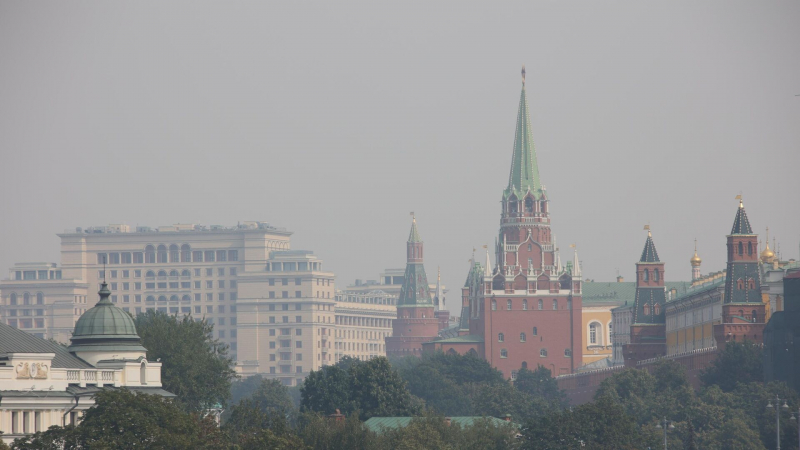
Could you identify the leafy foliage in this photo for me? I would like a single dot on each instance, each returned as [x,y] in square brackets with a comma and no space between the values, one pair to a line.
[195,366]
[740,362]
[370,387]
[121,419]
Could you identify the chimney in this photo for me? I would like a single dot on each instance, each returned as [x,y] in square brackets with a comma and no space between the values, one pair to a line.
[620,279]
[507,417]
[338,416]
[448,421]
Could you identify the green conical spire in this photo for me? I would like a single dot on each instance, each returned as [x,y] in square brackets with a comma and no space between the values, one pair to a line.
[524,174]
[414,235]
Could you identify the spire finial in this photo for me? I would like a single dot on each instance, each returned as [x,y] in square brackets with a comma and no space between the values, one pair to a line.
[647,227]
[413,217]
[439,276]
[523,74]
[695,246]
[741,203]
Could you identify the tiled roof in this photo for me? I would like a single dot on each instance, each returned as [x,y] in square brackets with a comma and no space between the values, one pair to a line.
[603,293]
[413,236]
[378,424]
[13,340]
[524,174]
[740,224]
[469,338]
[649,254]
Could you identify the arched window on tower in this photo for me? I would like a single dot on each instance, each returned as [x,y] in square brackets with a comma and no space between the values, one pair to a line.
[749,248]
[646,275]
[656,275]
[646,309]
[512,205]
[740,284]
[555,304]
[143,373]
[525,304]
[755,316]
[751,283]
[657,309]
[529,205]
[593,334]
[741,249]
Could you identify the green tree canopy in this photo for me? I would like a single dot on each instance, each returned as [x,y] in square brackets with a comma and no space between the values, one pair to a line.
[370,387]
[121,419]
[740,362]
[195,366]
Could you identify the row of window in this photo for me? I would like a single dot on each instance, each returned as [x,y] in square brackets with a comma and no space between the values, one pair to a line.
[162,254]
[542,353]
[539,305]
[37,275]
[25,312]
[13,299]
[302,266]
[26,323]
[137,298]
[162,274]
[501,337]
[646,275]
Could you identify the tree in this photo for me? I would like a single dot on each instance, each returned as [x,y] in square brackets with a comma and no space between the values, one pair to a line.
[250,427]
[370,387]
[540,383]
[268,396]
[195,366]
[121,419]
[740,362]
[326,433]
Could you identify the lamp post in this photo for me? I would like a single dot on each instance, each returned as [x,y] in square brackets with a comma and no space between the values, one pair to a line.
[667,426]
[778,408]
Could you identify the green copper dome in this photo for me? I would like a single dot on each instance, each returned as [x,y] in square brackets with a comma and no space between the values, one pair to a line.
[105,328]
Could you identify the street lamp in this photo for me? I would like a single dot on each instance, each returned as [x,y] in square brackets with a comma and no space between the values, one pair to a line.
[778,417]
[667,426]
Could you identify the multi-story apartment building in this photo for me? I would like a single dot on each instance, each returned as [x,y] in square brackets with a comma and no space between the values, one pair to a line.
[286,317]
[37,299]
[363,321]
[179,269]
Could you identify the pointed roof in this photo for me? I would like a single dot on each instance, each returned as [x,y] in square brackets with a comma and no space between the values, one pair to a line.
[740,224]
[524,174]
[413,236]
[649,254]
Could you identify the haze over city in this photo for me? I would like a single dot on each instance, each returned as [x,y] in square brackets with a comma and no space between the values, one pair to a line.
[337,120]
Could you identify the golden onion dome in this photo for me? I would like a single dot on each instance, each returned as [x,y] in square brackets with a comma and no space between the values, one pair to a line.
[767,255]
[695,261]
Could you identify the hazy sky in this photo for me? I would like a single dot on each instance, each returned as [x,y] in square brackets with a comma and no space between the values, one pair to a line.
[335,120]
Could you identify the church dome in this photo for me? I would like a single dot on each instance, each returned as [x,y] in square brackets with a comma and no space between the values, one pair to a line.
[695,261]
[105,327]
[767,256]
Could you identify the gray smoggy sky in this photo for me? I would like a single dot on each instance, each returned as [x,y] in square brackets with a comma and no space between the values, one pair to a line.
[335,120]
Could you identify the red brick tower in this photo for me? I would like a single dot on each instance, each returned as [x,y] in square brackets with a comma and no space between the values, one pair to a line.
[440,309]
[529,310]
[648,330]
[416,322]
[743,309]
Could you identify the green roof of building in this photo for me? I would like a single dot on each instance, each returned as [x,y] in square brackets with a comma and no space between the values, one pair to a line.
[105,327]
[469,338]
[614,293]
[13,340]
[378,424]
[524,174]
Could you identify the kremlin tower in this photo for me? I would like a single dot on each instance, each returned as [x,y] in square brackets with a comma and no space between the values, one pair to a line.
[524,311]
[416,320]
[743,310]
[648,330]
